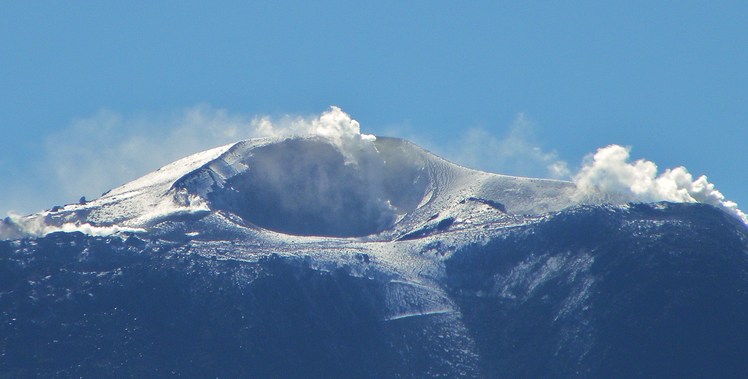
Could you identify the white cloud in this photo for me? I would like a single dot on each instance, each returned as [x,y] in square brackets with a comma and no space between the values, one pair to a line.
[608,176]
[516,153]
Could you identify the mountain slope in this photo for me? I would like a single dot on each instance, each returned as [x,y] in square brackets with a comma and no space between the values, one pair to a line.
[643,290]
[305,257]
[311,186]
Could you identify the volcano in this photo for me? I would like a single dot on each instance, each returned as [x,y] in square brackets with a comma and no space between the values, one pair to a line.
[310,256]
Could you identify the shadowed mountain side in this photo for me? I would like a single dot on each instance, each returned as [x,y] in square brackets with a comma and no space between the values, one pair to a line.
[80,306]
[648,290]
[598,291]
[363,257]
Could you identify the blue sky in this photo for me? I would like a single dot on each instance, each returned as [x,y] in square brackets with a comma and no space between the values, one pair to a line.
[562,78]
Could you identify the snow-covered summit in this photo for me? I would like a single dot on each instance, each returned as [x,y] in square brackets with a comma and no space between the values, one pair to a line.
[323,177]
[313,185]
[249,252]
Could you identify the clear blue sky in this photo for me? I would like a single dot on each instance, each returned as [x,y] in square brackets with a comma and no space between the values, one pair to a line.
[668,78]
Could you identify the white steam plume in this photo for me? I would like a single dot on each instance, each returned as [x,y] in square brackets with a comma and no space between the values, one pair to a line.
[608,176]
[335,125]
[98,153]
[17,226]
[101,152]
[106,150]
[518,152]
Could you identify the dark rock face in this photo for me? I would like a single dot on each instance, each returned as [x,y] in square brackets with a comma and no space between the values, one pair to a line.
[74,306]
[598,292]
[652,290]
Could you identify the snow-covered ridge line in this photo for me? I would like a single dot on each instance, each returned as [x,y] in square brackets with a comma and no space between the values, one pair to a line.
[371,187]
[319,186]
[171,172]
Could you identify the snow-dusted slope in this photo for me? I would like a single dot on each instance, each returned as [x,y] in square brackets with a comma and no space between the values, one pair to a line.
[314,186]
[359,257]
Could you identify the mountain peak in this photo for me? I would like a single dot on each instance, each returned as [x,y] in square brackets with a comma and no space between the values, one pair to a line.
[313,185]
[274,256]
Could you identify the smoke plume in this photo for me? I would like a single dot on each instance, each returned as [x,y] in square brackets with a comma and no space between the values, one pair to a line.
[609,176]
